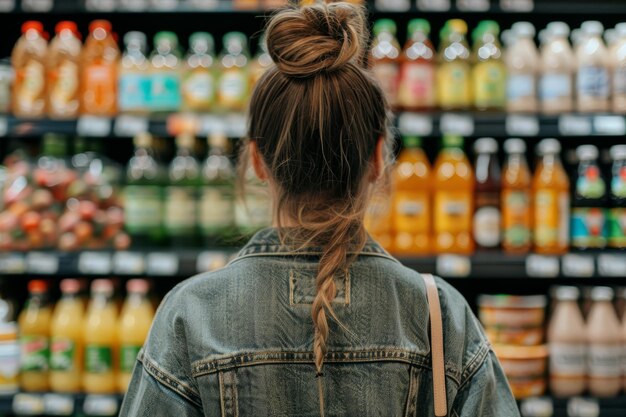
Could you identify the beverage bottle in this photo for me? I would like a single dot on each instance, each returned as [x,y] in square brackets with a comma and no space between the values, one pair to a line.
[557,67]
[217,197]
[385,59]
[99,66]
[29,59]
[487,221]
[253,211]
[453,199]
[604,341]
[143,194]
[618,63]
[417,69]
[234,81]
[66,340]
[165,74]
[134,82]
[100,338]
[454,82]
[489,71]
[134,325]
[568,345]
[378,218]
[34,325]
[411,200]
[589,226]
[617,213]
[522,63]
[181,218]
[198,86]
[516,198]
[393,5]
[551,201]
[63,72]
[261,62]
[593,62]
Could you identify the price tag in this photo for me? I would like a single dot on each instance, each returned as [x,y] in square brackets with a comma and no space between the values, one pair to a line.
[541,266]
[162,264]
[28,404]
[517,5]
[128,125]
[210,124]
[128,263]
[94,263]
[453,266]
[12,263]
[100,405]
[42,263]
[537,407]
[612,265]
[522,125]
[572,125]
[4,126]
[415,124]
[210,261]
[93,126]
[473,5]
[236,125]
[576,265]
[457,124]
[609,125]
[58,405]
[434,5]
[583,407]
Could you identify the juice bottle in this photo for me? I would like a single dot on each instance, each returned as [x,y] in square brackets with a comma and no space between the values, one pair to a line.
[454,86]
[34,325]
[618,64]
[588,227]
[617,213]
[66,344]
[198,86]
[557,67]
[261,62]
[522,63]
[100,338]
[63,72]
[385,59]
[29,65]
[135,322]
[234,81]
[593,62]
[134,82]
[165,74]
[453,199]
[487,221]
[551,201]
[99,71]
[516,198]
[417,69]
[411,200]
[378,219]
[489,71]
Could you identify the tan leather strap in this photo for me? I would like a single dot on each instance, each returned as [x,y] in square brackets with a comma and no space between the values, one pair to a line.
[436,346]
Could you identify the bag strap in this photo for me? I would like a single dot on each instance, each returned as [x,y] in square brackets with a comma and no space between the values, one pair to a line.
[436,346]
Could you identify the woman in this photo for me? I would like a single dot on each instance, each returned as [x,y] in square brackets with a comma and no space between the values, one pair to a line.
[313,318]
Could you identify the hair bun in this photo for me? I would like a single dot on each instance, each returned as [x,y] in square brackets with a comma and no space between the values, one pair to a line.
[310,40]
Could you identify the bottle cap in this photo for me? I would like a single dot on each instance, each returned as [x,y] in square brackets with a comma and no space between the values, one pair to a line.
[602,294]
[185,140]
[166,37]
[620,28]
[385,26]
[548,146]
[490,26]
[32,25]
[235,39]
[142,140]
[592,27]
[618,152]
[66,25]
[486,145]
[523,29]
[102,286]
[567,293]
[418,25]
[100,24]
[202,40]
[218,140]
[37,286]
[452,141]
[457,25]
[140,286]
[560,29]
[587,152]
[412,141]
[137,37]
[577,36]
[514,145]
[70,286]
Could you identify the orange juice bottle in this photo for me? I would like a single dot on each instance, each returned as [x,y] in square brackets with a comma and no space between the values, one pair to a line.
[34,324]
[29,64]
[516,199]
[378,217]
[66,344]
[453,205]
[100,338]
[551,201]
[99,71]
[411,200]
[135,322]
[63,72]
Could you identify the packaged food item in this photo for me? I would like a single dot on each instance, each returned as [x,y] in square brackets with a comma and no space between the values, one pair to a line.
[385,59]
[514,312]
[522,63]
[617,213]
[487,220]
[198,87]
[489,71]
[454,81]
[29,59]
[512,336]
[524,367]
[593,62]
[233,86]
[617,57]
[165,74]
[63,72]
[378,219]
[557,67]
[134,79]
[416,90]
[9,358]
[516,198]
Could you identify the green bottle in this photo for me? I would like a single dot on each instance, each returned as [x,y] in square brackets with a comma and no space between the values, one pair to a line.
[489,71]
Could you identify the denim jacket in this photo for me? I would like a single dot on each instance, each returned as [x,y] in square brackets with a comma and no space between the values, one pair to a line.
[238,342]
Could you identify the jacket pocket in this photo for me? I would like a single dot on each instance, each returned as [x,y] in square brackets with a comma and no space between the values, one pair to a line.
[229,403]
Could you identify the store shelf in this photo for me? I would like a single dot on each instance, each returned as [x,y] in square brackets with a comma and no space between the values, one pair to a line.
[573,407]
[35,404]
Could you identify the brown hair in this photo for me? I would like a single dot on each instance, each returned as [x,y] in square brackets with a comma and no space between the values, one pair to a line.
[316,117]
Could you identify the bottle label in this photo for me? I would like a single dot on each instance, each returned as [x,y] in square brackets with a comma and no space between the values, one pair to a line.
[489,84]
[619,81]
[165,91]
[134,91]
[551,218]
[555,86]
[487,226]
[35,352]
[604,361]
[378,215]
[143,208]
[30,83]
[64,88]
[593,81]
[417,85]
[387,75]
[516,219]
[62,354]
[453,84]
[99,87]
[617,227]
[520,86]
[568,359]
[411,212]
[180,210]
[199,89]
[453,211]
[589,227]
[216,209]
[98,359]
[233,88]
[590,184]
[128,357]
[618,183]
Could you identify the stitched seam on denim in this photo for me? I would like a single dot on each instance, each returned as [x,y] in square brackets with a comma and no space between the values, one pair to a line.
[474,364]
[220,379]
[170,381]
[283,254]
[411,406]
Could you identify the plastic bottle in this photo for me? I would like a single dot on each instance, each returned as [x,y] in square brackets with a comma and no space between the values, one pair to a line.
[165,74]
[593,62]
[589,226]
[135,321]
[489,71]
[63,72]
[100,337]
[522,62]
[134,80]
[411,201]
[551,201]
[253,211]
[617,213]
[9,358]
[454,85]
[453,199]
[66,342]
[618,61]
[416,90]
[568,345]
[385,59]
[29,59]
[604,340]
[261,62]
[198,86]
[233,86]
[557,66]
[516,199]
[99,71]
[487,220]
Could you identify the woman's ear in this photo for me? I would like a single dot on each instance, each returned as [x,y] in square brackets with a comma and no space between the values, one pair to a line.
[257,161]
[378,160]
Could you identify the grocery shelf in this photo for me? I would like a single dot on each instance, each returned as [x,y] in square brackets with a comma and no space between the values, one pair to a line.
[36,404]
[573,407]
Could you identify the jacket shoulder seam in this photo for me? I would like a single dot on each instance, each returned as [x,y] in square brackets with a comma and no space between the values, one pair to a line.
[168,380]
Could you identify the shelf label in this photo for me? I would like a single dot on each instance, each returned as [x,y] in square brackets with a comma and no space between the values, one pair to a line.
[100,405]
[415,124]
[577,265]
[517,5]
[58,404]
[457,124]
[453,266]
[572,125]
[537,407]
[210,124]
[541,266]
[129,125]
[473,5]
[434,5]
[162,264]
[612,265]
[210,261]
[609,125]
[4,126]
[93,126]
[583,407]
[128,263]
[94,263]
[12,263]
[236,125]
[42,263]
[28,404]
[522,125]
